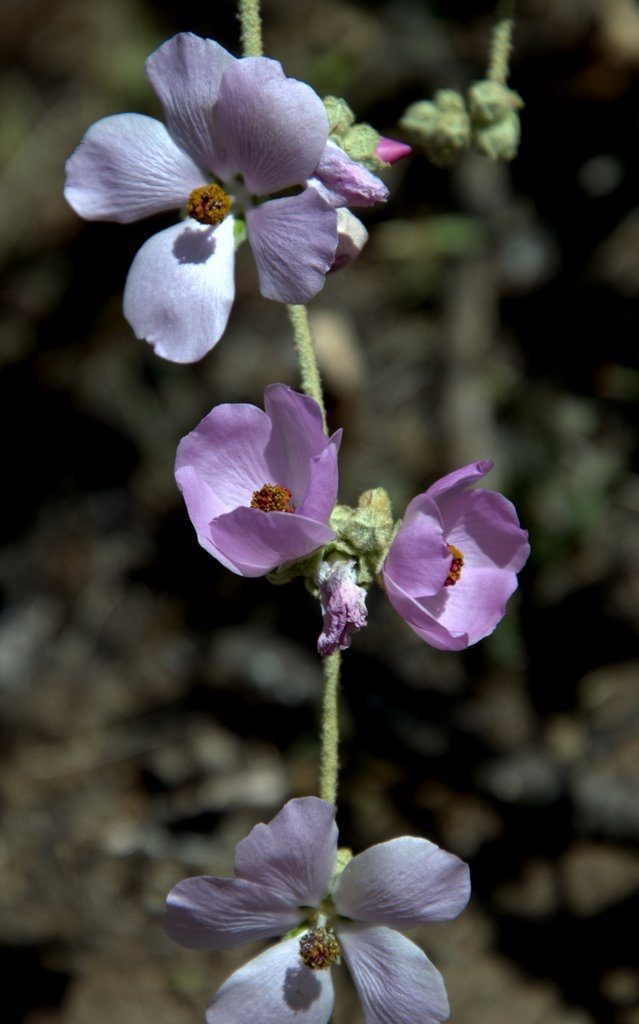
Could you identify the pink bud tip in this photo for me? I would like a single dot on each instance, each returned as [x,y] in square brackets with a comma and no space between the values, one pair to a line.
[390,150]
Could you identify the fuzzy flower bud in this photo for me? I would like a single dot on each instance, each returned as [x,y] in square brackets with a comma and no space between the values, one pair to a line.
[340,116]
[495,120]
[441,127]
[365,532]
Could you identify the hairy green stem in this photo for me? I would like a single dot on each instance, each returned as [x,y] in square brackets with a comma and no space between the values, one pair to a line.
[329,763]
[251,22]
[502,42]
[309,372]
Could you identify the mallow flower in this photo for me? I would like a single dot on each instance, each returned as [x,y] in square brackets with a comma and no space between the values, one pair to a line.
[241,141]
[288,882]
[454,561]
[259,486]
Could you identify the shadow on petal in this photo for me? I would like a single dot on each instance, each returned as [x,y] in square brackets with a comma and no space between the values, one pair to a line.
[194,246]
[301,988]
[437,603]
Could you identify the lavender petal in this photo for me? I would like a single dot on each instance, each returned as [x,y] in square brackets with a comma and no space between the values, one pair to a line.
[294,242]
[403,883]
[128,167]
[180,289]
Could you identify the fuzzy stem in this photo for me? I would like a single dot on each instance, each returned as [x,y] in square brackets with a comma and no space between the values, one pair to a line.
[502,42]
[249,15]
[329,764]
[309,372]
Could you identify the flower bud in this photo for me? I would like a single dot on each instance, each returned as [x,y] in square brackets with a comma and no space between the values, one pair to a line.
[441,127]
[340,116]
[365,532]
[361,142]
[494,118]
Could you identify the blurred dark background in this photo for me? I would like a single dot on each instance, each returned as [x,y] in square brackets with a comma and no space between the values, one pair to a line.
[154,706]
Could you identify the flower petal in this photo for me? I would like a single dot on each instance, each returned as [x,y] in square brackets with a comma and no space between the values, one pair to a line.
[396,982]
[390,150]
[294,854]
[485,527]
[344,182]
[273,128]
[321,493]
[418,560]
[343,605]
[186,73]
[403,883]
[202,506]
[422,621]
[352,236]
[468,611]
[226,449]
[127,167]
[180,289]
[274,988]
[218,913]
[298,430]
[299,453]
[460,479]
[294,242]
[255,542]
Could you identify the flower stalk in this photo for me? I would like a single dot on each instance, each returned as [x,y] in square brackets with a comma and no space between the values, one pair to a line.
[251,27]
[329,761]
[309,371]
[502,42]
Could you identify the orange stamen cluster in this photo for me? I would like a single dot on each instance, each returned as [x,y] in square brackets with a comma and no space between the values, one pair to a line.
[273,498]
[455,566]
[319,949]
[208,204]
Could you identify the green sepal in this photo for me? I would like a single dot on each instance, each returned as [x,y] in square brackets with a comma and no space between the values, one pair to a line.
[306,567]
[340,116]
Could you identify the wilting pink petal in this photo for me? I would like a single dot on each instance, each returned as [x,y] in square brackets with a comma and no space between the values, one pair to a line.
[344,182]
[343,604]
[351,238]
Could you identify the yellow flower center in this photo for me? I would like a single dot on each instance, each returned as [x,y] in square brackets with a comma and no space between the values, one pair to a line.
[273,498]
[455,566]
[319,949]
[208,204]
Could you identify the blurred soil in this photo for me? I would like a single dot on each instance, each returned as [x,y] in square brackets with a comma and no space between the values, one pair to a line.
[153,706]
